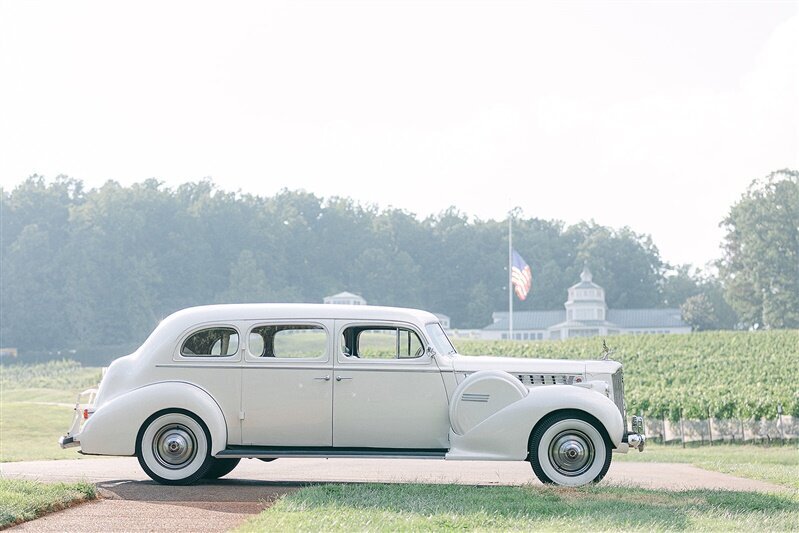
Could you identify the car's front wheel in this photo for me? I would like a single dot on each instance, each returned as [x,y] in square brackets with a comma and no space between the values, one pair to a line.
[174,447]
[569,448]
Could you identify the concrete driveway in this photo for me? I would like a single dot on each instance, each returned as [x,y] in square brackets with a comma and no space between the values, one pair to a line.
[131,502]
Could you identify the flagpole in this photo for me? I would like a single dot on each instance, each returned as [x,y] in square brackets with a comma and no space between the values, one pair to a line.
[510,275]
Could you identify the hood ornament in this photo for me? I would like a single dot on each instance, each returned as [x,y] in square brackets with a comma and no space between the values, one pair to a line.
[606,352]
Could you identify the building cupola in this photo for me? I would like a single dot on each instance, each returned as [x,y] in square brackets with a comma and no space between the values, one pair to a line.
[586,299]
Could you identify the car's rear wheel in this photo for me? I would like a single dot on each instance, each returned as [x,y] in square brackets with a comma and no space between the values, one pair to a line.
[569,448]
[221,467]
[174,447]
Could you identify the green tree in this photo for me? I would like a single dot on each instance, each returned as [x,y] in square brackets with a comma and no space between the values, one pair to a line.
[680,285]
[478,307]
[105,265]
[34,231]
[760,266]
[698,312]
[625,263]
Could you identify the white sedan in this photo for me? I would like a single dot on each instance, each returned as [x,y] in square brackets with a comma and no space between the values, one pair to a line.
[215,384]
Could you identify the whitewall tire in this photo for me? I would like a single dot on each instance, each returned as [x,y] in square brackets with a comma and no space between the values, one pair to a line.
[569,448]
[174,447]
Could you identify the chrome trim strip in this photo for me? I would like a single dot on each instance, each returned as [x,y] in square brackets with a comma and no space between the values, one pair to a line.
[419,370]
[197,365]
[474,397]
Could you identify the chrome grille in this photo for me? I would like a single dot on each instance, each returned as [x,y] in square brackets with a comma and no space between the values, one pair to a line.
[546,379]
[618,394]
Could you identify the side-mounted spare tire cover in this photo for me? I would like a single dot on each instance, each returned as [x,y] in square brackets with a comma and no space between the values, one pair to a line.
[481,395]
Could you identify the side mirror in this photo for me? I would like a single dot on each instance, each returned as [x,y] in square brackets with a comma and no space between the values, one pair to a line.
[431,351]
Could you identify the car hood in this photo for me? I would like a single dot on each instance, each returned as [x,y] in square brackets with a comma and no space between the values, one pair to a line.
[475,363]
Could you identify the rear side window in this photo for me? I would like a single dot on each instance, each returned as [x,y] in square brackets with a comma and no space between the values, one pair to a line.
[212,342]
[288,341]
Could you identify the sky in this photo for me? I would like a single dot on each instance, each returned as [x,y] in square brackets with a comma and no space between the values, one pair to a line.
[654,115]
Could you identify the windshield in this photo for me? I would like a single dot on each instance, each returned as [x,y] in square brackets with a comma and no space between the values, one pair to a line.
[440,340]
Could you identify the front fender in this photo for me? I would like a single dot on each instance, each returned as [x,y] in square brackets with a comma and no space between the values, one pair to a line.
[114,426]
[505,434]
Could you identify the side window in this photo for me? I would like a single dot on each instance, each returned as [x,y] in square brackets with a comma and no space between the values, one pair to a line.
[285,341]
[377,344]
[381,342]
[211,342]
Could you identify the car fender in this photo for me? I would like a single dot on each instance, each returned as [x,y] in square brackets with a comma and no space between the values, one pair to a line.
[505,434]
[114,427]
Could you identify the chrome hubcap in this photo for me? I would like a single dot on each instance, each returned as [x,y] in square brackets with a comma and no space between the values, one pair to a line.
[174,446]
[571,453]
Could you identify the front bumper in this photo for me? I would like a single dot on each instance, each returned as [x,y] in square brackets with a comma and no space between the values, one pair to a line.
[636,438]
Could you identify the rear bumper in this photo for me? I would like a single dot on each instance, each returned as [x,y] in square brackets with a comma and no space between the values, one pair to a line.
[84,407]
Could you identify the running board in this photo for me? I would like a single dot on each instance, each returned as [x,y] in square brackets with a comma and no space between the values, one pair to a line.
[273,452]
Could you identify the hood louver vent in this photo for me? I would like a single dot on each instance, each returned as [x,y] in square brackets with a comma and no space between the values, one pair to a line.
[546,379]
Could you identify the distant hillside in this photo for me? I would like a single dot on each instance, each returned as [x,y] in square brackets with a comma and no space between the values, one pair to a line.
[735,374]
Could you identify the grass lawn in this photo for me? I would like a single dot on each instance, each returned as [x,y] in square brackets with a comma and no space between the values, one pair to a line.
[36,407]
[383,507]
[776,464]
[29,431]
[22,500]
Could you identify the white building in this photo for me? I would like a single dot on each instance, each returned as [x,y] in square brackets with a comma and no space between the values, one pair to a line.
[586,315]
[344,298]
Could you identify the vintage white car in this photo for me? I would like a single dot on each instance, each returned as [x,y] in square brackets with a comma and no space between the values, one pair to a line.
[215,384]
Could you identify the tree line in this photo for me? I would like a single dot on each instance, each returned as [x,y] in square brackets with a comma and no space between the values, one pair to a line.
[102,266]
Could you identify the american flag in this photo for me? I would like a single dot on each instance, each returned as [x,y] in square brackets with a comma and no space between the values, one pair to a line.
[521,276]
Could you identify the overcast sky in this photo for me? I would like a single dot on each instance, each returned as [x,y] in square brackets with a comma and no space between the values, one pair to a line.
[655,116]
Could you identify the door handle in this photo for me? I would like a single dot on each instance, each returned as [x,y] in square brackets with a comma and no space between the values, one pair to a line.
[326,378]
[339,378]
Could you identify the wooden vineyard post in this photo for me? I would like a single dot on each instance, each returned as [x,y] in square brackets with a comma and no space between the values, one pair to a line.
[682,430]
[710,426]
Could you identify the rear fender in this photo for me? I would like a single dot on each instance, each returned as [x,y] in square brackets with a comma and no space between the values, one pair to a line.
[505,434]
[114,426]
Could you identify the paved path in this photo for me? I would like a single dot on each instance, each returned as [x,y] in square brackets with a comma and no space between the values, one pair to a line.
[131,502]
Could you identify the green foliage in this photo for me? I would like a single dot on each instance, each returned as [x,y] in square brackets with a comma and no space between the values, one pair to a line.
[103,266]
[700,298]
[410,507]
[62,375]
[680,285]
[732,374]
[698,311]
[760,267]
[22,500]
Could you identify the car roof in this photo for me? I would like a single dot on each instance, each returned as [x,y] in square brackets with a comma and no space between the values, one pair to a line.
[281,311]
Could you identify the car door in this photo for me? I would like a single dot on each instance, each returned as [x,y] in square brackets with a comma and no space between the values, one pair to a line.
[387,390]
[287,396]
